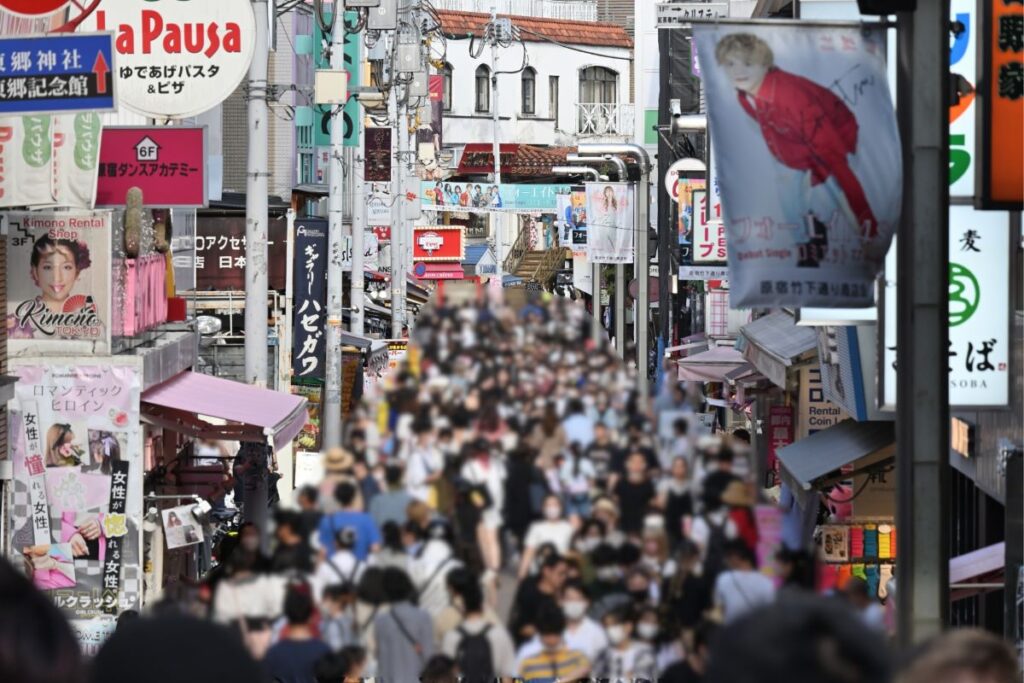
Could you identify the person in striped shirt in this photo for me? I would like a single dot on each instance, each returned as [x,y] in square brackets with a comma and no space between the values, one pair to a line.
[556,662]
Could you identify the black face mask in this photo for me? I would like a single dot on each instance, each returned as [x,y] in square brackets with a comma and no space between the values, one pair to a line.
[639,596]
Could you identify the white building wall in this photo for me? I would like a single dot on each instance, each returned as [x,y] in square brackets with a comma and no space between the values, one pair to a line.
[464,125]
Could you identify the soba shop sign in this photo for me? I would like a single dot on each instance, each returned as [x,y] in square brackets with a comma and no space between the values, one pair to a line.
[177,58]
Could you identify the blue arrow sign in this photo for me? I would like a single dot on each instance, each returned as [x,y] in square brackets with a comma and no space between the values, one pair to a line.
[62,72]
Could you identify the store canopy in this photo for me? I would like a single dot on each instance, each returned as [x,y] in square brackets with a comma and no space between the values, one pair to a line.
[809,462]
[976,572]
[775,342]
[712,365]
[251,413]
[358,341]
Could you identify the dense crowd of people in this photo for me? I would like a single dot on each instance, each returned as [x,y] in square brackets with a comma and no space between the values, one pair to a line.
[509,509]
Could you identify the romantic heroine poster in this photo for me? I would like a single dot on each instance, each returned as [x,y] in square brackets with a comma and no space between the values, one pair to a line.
[76,503]
[58,282]
[610,225]
[807,151]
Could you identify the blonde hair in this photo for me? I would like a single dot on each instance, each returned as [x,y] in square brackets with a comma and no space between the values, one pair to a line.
[750,47]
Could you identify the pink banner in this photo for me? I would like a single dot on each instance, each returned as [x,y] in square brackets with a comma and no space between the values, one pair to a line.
[167,164]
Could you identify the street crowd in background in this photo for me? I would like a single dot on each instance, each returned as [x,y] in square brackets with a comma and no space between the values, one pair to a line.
[509,509]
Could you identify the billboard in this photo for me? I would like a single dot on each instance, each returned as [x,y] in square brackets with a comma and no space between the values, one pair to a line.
[473,197]
[220,253]
[610,222]
[168,163]
[309,343]
[59,282]
[438,243]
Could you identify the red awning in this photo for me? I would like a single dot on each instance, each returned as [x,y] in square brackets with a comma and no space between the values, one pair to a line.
[439,271]
[252,413]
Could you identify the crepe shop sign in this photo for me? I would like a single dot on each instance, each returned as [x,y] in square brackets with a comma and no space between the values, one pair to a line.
[438,243]
[177,58]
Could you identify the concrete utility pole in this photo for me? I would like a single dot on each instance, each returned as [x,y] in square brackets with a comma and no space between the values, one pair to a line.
[357,298]
[256,211]
[331,418]
[922,422]
[595,287]
[495,143]
[397,220]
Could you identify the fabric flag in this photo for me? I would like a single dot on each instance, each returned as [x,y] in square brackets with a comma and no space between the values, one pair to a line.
[807,154]
[610,224]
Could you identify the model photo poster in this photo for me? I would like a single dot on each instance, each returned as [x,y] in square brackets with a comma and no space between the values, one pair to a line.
[181,527]
[807,151]
[58,281]
[610,222]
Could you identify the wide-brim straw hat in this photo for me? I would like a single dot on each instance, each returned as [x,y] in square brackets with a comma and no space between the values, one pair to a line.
[338,460]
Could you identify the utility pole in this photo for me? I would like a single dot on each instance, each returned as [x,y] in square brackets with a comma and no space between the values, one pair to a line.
[495,143]
[397,211]
[331,418]
[256,211]
[922,412]
[357,298]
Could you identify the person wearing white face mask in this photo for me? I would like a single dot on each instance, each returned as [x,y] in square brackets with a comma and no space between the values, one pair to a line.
[626,659]
[553,529]
[581,632]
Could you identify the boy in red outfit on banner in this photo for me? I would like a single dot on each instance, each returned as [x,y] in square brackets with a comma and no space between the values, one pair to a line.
[807,129]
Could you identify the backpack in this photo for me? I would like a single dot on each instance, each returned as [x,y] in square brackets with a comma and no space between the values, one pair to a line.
[473,656]
[714,559]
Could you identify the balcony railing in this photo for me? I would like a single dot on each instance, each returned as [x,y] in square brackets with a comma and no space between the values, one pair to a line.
[604,120]
[577,10]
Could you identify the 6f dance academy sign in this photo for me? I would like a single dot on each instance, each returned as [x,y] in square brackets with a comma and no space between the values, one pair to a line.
[58,292]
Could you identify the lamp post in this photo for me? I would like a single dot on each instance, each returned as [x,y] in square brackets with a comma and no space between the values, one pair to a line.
[595,318]
[641,261]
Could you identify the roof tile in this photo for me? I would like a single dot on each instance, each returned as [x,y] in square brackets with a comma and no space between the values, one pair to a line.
[459,24]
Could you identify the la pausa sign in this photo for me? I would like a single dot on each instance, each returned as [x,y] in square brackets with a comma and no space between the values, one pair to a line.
[177,58]
[438,243]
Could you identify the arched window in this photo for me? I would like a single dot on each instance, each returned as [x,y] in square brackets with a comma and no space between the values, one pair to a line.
[446,97]
[598,85]
[483,89]
[529,84]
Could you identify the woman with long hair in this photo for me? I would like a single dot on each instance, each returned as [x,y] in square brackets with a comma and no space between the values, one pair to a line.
[60,448]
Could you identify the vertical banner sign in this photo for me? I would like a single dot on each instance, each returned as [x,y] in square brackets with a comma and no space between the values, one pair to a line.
[708,233]
[962,57]
[309,345]
[429,134]
[377,153]
[75,509]
[682,194]
[979,312]
[808,155]
[781,433]
[610,224]
[1001,106]
[58,275]
[571,220]
[350,112]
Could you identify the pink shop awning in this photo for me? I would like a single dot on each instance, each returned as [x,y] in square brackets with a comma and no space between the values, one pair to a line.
[712,365]
[251,413]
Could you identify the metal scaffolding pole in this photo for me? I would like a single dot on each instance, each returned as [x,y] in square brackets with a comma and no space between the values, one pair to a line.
[331,417]
[256,210]
[922,423]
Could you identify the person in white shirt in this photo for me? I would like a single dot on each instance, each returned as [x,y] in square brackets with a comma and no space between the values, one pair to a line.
[578,427]
[553,529]
[581,632]
[626,659]
[430,566]
[741,588]
[474,624]
[576,474]
[485,469]
[424,464]
[342,566]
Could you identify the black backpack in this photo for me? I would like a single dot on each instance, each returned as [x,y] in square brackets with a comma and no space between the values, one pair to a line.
[473,656]
[714,558]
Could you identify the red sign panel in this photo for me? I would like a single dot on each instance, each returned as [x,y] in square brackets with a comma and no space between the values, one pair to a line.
[33,8]
[438,243]
[478,157]
[438,271]
[781,433]
[167,163]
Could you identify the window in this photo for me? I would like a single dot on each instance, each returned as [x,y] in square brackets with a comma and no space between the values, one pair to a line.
[598,85]
[447,91]
[553,99]
[529,81]
[483,89]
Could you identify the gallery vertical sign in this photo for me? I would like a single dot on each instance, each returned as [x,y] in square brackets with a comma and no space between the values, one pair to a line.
[115,527]
[377,153]
[309,345]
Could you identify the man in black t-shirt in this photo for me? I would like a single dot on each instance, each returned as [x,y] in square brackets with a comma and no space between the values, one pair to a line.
[634,493]
[533,594]
[691,668]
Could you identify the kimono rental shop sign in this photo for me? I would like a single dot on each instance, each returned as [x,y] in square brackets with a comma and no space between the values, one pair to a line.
[76,506]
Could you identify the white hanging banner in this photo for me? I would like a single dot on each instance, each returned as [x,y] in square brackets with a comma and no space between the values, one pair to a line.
[807,154]
[610,224]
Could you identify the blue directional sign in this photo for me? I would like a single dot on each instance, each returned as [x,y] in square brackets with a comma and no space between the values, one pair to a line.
[63,72]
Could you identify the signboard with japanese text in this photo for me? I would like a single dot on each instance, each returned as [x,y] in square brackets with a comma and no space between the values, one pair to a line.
[309,344]
[377,153]
[1000,111]
[571,220]
[378,205]
[816,413]
[177,58]
[78,431]
[708,232]
[168,163]
[672,14]
[64,72]
[58,282]
[351,114]
[979,312]
[610,222]
[49,160]
[809,210]
[438,243]
[181,528]
[781,433]
[220,253]
[483,198]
